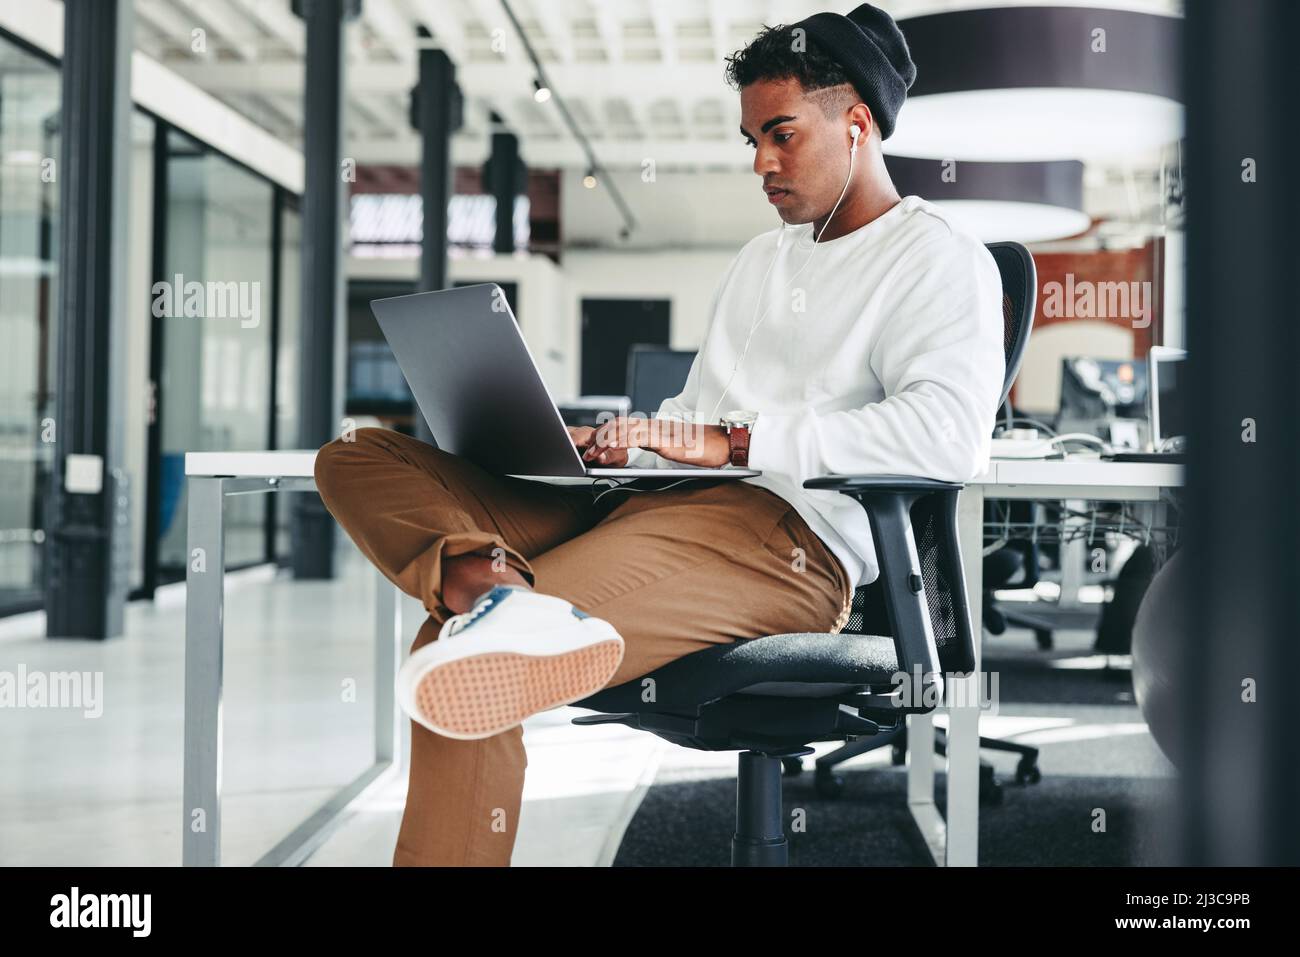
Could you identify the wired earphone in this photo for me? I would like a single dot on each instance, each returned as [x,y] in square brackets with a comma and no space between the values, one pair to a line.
[855,131]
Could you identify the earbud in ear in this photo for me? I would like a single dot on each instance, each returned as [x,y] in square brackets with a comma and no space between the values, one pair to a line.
[855,131]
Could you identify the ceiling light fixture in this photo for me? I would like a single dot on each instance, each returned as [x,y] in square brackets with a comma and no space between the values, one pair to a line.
[1027,202]
[1040,83]
[593,164]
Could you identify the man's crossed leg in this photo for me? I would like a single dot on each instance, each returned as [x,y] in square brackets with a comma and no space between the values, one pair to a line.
[672,572]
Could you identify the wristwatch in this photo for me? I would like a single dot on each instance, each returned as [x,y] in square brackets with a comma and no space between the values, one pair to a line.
[739,423]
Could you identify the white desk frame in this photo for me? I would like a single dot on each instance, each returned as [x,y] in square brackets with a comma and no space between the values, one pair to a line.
[211,477]
[214,475]
[956,842]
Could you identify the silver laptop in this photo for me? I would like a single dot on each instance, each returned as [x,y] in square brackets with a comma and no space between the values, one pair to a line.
[478,387]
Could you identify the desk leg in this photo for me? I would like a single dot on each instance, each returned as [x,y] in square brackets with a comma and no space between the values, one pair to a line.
[964,716]
[1074,558]
[920,785]
[204,612]
[388,652]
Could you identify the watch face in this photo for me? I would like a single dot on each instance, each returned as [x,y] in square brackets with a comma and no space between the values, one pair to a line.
[740,417]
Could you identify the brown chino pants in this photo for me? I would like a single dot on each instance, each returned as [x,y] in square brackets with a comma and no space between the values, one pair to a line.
[673,571]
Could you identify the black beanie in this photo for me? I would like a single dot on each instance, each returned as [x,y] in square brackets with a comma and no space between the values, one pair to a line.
[873,52]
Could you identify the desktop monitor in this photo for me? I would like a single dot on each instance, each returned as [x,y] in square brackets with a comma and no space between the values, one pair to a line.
[374,381]
[1168,410]
[1096,391]
[655,373]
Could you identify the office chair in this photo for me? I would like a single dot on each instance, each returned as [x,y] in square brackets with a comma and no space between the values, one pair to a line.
[1014,564]
[769,697]
[1019,291]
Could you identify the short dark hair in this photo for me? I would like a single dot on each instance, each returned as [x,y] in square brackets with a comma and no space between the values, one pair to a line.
[772,56]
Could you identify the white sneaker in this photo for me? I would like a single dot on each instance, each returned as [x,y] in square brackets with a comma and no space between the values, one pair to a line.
[513,654]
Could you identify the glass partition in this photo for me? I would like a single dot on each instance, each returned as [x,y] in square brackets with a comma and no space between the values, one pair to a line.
[29,243]
[214,300]
[286,362]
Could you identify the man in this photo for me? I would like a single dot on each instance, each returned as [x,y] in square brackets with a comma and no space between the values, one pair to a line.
[865,339]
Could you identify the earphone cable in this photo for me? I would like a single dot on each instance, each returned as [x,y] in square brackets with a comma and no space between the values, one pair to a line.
[775,256]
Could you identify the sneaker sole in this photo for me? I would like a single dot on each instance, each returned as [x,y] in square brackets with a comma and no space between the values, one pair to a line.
[482,695]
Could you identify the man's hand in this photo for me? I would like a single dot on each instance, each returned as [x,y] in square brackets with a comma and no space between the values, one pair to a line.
[608,444]
[583,437]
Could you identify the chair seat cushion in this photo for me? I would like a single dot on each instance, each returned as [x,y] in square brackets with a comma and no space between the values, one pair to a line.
[796,664]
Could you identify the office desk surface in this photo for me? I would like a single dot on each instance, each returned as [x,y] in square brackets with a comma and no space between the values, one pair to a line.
[300,463]
[295,463]
[1091,472]
[1080,471]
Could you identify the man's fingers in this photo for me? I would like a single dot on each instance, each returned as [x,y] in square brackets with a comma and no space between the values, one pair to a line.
[613,458]
[619,432]
[581,435]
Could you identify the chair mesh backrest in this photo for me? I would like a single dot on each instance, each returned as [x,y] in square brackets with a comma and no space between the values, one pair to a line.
[867,615]
[1019,292]
[1010,325]
[939,589]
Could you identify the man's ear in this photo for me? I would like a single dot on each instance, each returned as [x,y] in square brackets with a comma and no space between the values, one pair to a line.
[861,115]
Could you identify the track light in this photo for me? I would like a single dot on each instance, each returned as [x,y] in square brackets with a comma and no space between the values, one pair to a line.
[543,93]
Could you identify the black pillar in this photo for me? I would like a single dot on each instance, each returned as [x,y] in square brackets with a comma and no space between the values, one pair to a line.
[88,517]
[323,335]
[505,177]
[436,114]
[1242,777]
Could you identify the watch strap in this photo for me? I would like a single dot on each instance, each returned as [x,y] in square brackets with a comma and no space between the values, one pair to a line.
[738,438]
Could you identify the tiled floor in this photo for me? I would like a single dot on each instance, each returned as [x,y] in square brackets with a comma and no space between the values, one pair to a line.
[107,790]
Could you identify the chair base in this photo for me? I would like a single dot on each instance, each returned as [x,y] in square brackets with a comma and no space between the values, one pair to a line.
[1027,772]
[767,731]
[760,839]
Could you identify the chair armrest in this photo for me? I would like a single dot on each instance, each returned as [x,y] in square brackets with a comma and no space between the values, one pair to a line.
[888,500]
[882,483]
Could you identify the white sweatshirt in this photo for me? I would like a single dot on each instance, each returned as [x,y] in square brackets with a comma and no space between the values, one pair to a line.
[882,355]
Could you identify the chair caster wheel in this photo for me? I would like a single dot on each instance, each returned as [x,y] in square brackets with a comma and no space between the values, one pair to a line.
[1027,772]
[898,755]
[792,767]
[990,789]
[828,783]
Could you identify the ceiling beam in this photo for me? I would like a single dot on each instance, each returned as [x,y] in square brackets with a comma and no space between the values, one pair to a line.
[215,16]
[563,152]
[262,109]
[277,20]
[633,81]
[175,27]
[358,54]
[719,23]
[378,116]
[663,15]
[503,105]
[610,28]
[557,30]
[448,32]
[392,27]
[512,48]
